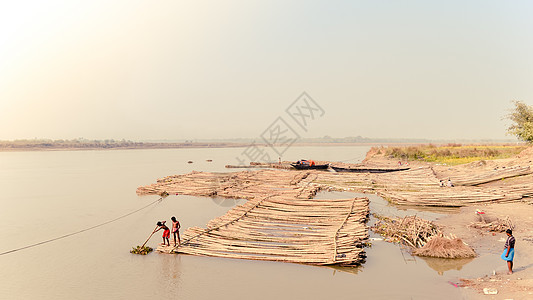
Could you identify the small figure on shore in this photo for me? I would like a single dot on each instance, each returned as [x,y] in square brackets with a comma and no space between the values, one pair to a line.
[508,252]
[176,230]
[279,160]
[166,232]
[441,183]
[450,184]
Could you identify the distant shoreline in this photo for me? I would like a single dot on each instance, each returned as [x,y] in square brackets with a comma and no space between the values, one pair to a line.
[58,146]
[17,147]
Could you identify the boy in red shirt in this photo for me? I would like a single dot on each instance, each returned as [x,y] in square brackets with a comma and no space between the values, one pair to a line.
[166,232]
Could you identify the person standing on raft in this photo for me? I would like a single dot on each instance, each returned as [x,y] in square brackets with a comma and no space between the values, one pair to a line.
[166,232]
[508,253]
[176,230]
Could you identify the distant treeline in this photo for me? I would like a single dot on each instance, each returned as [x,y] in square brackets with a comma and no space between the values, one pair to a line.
[49,144]
[354,140]
[46,144]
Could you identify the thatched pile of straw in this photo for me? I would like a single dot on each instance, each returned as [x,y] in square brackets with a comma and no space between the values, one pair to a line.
[444,247]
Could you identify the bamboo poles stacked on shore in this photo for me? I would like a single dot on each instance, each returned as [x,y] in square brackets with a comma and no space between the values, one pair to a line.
[420,187]
[447,197]
[282,222]
[477,178]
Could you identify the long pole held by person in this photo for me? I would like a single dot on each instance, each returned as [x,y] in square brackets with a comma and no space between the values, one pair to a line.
[149,237]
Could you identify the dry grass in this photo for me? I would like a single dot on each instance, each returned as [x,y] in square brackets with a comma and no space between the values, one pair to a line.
[452,154]
[443,247]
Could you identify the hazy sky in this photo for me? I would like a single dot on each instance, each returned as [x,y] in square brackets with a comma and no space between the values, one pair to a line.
[219,69]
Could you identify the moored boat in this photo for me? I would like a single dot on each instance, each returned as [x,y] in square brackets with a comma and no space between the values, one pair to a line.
[367,170]
[309,167]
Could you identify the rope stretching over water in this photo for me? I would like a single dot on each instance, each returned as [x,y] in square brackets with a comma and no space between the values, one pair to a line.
[83,230]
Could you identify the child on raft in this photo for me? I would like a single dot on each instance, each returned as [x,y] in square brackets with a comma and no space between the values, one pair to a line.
[166,232]
[508,252]
[176,230]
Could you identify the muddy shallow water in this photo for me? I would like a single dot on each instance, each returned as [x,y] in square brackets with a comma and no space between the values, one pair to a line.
[49,194]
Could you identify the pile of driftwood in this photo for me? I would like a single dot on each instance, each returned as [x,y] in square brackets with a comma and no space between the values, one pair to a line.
[423,236]
[410,230]
[498,225]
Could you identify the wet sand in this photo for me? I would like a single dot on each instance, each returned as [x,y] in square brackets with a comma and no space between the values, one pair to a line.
[519,285]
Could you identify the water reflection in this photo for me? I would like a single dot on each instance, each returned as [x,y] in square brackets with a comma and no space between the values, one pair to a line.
[442,265]
[351,270]
[170,275]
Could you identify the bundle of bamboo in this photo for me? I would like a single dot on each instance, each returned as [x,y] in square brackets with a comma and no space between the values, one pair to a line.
[477,178]
[279,222]
[444,197]
[278,228]
[415,187]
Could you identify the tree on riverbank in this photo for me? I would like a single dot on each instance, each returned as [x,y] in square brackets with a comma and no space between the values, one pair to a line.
[522,116]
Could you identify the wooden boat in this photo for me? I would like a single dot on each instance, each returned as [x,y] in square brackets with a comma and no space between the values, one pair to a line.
[367,170]
[308,167]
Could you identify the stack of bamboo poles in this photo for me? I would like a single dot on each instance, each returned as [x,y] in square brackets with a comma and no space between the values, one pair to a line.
[448,197]
[277,228]
[282,222]
[491,175]
[418,186]
[413,187]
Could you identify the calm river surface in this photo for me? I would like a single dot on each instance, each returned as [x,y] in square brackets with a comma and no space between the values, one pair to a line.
[48,194]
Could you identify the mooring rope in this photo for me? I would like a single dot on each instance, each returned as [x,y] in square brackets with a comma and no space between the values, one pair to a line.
[83,230]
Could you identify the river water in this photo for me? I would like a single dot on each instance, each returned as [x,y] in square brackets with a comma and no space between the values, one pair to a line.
[46,194]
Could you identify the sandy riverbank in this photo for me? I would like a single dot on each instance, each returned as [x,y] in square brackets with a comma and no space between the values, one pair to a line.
[519,285]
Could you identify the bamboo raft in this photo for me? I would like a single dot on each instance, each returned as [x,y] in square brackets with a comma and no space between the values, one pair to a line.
[420,187]
[282,222]
[491,175]
[319,232]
